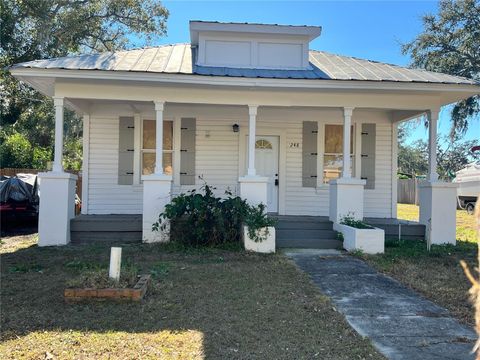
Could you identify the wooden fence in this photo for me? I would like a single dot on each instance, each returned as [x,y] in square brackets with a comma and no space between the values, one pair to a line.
[13,172]
[407,191]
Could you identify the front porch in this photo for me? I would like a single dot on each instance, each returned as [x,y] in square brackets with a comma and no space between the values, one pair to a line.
[292,231]
[330,159]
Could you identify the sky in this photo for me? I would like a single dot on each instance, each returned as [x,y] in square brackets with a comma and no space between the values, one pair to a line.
[371,30]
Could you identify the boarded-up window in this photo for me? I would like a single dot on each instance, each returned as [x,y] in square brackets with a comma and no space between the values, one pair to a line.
[310,153]
[333,152]
[125,150]
[368,155]
[148,147]
[187,151]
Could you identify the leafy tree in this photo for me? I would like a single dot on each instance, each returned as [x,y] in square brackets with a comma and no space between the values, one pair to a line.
[33,29]
[413,159]
[452,155]
[16,151]
[450,43]
[41,157]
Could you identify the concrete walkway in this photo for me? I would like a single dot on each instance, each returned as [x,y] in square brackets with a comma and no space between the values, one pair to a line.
[400,323]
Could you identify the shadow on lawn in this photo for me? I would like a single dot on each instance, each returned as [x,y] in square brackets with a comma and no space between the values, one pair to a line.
[33,280]
[18,225]
[245,305]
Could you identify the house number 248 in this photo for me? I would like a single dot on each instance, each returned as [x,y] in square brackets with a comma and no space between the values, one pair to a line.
[294,145]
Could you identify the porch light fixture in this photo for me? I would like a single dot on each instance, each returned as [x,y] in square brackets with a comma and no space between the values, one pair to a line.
[235,127]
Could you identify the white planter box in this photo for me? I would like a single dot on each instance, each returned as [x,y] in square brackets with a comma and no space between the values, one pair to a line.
[370,241]
[266,246]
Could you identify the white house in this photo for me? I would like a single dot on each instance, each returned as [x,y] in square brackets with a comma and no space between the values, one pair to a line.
[248,107]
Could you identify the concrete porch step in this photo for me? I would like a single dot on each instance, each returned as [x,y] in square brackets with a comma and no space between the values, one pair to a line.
[104,223]
[301,218]
[314,232]
[309,243]
[310,225]
[87,237]
[106,228]
[305,234]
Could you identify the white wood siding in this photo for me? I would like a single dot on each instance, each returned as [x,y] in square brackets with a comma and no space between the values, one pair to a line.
[216,156]
[219,162]
[377,202]
[105,195]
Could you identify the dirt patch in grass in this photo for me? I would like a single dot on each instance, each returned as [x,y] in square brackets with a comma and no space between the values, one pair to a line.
[214,304]
[436,274]
[98,279]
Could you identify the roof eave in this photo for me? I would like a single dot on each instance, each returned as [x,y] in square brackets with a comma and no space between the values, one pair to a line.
[28,74]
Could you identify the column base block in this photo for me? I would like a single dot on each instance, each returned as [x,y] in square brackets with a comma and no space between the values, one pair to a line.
[57,207]
[254,189]
[438,205]
[157,192]
[346,199]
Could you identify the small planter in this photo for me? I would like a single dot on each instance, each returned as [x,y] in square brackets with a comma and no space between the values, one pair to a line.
[266,246]
[127,294]
[370,241]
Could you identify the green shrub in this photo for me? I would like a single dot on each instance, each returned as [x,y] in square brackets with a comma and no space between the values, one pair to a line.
[202,219]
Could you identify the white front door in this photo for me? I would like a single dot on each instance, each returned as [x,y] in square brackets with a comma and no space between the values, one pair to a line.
[266,164]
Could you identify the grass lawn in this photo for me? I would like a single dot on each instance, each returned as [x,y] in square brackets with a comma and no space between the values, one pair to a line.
[214,304]
[436,274]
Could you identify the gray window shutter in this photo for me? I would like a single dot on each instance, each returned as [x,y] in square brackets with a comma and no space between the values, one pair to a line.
[125,150]
[368,154]
[310,153]
[187,151]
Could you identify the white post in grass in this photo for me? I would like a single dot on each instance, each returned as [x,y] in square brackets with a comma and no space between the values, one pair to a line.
[115,263]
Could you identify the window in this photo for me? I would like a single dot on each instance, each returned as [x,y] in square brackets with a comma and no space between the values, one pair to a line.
[148,147]
[333,152]
[263,144]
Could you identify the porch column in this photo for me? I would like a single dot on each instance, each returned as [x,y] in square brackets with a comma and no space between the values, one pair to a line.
[58,154]
[252,123]
[253,188]
[85,162]
[159,106]
[438,200]
[57,200]
[432,116]
[157,187]
[347,123]
[346,193]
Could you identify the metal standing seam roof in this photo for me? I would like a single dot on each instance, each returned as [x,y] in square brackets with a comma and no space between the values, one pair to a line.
[249,23]
[177,59]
